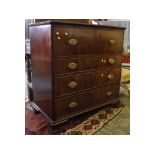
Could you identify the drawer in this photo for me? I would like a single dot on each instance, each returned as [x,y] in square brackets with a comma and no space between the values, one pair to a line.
[73,41]
[70,65]
[105,77]
[72,83]
[76,103]
[111,92]
[69,84]
[114,41]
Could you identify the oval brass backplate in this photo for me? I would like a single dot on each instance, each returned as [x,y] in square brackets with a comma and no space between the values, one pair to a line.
[109,93]
[112,41]
[110,76]
[72,41]
[72,65]
[72,84]
[111,61]
[73,105]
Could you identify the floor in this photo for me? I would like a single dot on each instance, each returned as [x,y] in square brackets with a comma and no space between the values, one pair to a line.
[120,125]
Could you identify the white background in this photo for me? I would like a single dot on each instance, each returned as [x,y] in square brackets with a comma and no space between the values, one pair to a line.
[12,63]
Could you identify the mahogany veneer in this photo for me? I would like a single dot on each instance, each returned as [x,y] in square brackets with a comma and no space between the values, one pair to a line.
[75,67]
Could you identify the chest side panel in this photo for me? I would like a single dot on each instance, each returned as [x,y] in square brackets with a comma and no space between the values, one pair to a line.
[40,37]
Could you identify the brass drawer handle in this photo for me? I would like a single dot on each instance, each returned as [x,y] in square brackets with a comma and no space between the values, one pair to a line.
[72,41]
[110,76]
[109,93]
[112,42]
[72,65]
[111,61]
[73,105]
[72,84]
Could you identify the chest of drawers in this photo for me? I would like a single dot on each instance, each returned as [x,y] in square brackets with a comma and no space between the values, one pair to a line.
[75,68]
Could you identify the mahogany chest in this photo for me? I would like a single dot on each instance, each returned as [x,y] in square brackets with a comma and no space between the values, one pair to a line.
[75,68]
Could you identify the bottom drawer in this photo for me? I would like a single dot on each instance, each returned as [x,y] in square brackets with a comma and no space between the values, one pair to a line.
[76,103]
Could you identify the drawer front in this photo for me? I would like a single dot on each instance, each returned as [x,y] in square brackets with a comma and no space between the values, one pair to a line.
[73,83]
[112,75]
[79,102]
[114,41]
[70,65]
[73,41]
[105,77]
[105,94]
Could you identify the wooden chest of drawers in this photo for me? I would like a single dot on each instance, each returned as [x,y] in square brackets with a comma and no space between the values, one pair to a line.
[75,68]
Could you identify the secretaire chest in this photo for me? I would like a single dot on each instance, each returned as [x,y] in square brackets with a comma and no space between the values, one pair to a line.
[75,68]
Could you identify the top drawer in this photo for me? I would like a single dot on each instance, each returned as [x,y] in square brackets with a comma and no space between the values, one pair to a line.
[72,40]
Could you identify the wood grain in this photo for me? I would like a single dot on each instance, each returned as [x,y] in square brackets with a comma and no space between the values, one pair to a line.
[54,45]
[85,80]
[40,37]
[85,100]
[89,41]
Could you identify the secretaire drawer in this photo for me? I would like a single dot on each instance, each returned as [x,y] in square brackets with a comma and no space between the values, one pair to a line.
[75,103]
[72,83]
[69,65]
[73,41]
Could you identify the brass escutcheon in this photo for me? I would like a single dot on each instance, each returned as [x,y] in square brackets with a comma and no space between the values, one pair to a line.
[73,105]
[72,65]
[72,84]
[110,76]
[109,93]
[111,61]
[112,41]
[72,41]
